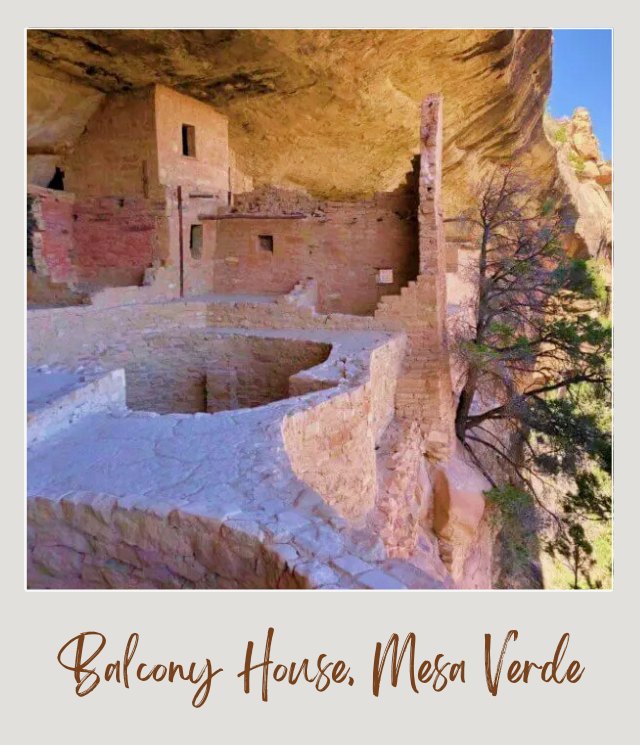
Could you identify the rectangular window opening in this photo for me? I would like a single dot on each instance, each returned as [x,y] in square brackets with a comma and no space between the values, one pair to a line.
[196,241]
[265,243]
[189,140]
[385,276]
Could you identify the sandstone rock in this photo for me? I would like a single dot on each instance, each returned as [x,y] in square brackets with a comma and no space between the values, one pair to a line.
[580,174]
[590,170]
[297,117]
[458,511]
[581,135]
[604,176]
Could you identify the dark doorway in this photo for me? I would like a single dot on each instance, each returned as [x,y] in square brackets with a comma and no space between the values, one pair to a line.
[57,182]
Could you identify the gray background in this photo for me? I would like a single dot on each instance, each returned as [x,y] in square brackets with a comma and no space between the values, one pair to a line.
[38,694]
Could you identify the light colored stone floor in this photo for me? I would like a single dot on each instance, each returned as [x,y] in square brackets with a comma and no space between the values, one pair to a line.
[44,386]
[137,499]
[234,298]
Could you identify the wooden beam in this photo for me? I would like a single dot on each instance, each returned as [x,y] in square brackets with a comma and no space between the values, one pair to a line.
[253,216]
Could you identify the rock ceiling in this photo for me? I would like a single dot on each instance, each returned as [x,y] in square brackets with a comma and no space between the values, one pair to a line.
[332,112]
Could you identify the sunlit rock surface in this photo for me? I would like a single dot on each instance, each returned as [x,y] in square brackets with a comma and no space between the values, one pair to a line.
[332,112]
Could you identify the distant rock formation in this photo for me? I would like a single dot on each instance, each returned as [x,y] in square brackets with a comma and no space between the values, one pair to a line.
[585,178]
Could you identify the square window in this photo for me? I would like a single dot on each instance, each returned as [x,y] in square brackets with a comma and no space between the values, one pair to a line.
[385,277]
[196,240]
[265,243]
[189,140]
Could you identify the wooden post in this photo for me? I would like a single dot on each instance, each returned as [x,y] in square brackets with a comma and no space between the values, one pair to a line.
[181,241]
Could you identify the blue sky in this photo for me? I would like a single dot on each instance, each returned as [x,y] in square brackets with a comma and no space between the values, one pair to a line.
[582,77]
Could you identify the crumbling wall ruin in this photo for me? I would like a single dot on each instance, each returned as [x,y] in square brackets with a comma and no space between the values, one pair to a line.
[359,441]
[50,246]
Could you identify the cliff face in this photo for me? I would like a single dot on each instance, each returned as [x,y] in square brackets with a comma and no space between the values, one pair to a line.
[332,112]
[586,179]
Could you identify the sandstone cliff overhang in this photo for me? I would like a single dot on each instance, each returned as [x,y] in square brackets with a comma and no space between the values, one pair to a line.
[331,112]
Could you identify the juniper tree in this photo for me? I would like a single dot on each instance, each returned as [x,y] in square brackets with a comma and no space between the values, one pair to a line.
[536,350]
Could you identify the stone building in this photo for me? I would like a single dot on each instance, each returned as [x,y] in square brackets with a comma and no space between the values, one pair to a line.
[232,387]
[152,198]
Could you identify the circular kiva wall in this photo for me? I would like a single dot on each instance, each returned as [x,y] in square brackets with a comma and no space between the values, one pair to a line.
[189,370]
[200,371]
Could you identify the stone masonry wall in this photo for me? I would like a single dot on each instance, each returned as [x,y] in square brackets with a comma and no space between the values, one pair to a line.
[208,170]
[205,181]
[94,240]
[50,410]
[52,233]
[125,171]
[116,238]
[424,390]
[202,370]
[76,335]
[89,541]
[342,245]
[247,371]
[116,154]
[332,445]
[181,369]
[117,226]
[404,489]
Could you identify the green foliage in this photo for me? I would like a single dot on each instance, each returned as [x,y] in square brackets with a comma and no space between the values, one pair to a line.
[577,162]
[585,277]
[592,498]
[577,442]
[560,134]
[541,350]
[573,547]
[567,435]
[508,499]
[559,570]
[480,354]
[514,521]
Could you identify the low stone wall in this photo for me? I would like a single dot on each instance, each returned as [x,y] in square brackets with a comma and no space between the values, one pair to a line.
[75,335]
[332,444]
[57,401]
[158,284]
[244,371]
[404,489]
[141,500]
[342,245]
[180,368]
[91,540]
[88,540]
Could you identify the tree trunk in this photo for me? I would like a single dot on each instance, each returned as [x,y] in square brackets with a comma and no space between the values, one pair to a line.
[469,390]
[464,404]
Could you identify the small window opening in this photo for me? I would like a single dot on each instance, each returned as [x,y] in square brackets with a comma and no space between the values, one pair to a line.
[189,140]
[57,182]
[196,241]
[265,243]
[385,276]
